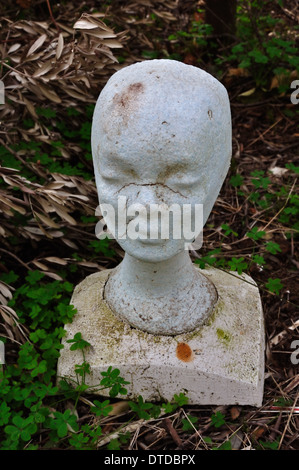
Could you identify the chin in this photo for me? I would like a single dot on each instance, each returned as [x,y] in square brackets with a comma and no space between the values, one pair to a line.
[152,253]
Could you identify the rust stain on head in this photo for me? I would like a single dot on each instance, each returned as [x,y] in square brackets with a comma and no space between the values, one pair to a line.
[184,352]
[128,99]
[136,87]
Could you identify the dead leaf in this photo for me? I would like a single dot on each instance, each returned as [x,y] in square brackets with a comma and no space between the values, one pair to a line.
[50,94]
[278,171]
[64,215]
[34,230]
[84,24]
[56,233]
[88,264]
[14,48]
[13,206]
[37,44]
[294,383]
[6,318]
[237,72]
[258,432]
[113,43]
[119,407]
[248,92]
[54,259]
[54,276]
[70,243]
[60,45]
[43,69]
[5,290]
[39,265]
[234,412]
[47,220]
[277,338]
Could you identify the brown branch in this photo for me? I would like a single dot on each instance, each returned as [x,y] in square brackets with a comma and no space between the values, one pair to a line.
[51,16]
[172,432]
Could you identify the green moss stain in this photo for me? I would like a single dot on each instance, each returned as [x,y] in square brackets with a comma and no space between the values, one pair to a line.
[224,336]
[216,311]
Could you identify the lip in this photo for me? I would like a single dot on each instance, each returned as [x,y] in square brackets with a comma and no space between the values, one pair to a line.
[152,242]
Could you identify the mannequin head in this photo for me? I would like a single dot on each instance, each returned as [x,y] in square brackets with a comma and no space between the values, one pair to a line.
[161,134]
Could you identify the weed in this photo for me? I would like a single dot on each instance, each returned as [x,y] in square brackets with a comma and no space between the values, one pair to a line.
[188,423]
[225,446]
[273,445]
[262,54]
[274,285]
[237,264]
[27,389]
[145,410]
[218,419]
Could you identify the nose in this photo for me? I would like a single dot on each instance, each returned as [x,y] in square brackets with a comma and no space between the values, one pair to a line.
[154,221]
[151,193]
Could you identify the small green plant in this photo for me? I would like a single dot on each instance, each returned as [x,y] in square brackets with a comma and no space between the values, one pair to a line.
[283,402]
[227,230]
[259,180]
[176,402]
[236,180]
[189,423]
[273,248]
[292,167]
[21,429]
[237,264]
[145,410]
[196,36]
[218,419]
[113,381]
[210,258]
[115,444]
[256,234]
[192,40]
[225,446]
[78,342]
[262,54]
[62,423]
[269,445]
[102,246]
[274,285]
[29,398]
[41,303]
[101,408]
[258,259]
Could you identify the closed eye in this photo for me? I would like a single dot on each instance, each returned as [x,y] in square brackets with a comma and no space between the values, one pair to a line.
[122,175]
[183,183]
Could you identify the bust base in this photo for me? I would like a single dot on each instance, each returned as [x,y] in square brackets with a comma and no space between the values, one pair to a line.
[220,363]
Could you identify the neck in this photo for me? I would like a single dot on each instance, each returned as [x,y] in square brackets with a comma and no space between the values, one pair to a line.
[164,298]
[163,276]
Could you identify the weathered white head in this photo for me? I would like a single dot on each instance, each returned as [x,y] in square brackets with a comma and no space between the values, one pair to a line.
[161,133]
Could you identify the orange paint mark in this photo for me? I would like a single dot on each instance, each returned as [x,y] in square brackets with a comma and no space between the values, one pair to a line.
[184,352]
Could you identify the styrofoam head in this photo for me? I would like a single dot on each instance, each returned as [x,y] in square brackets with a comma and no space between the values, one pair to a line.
[161,133]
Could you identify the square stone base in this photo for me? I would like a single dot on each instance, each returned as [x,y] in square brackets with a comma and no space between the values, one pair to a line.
[221,363]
